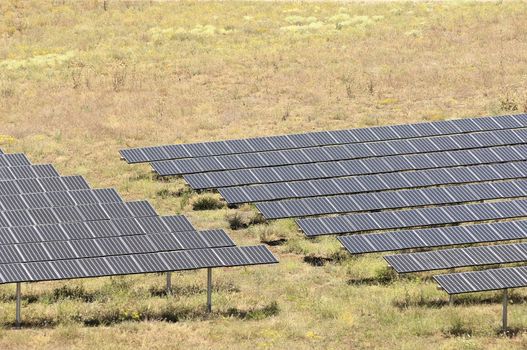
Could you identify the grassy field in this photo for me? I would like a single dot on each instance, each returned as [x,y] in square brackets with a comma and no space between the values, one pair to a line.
[80,80]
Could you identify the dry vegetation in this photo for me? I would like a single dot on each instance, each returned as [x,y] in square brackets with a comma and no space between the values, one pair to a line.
[80,80]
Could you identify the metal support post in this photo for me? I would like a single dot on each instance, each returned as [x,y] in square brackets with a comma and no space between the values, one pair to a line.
[451,299]
[18,320]
[504,315]
[209,290]
[169,283]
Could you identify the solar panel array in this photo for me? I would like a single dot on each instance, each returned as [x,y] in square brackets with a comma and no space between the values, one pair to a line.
[56,227]
[420,186]
[458,257]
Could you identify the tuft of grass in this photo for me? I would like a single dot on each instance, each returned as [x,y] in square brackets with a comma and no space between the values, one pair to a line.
[458,328]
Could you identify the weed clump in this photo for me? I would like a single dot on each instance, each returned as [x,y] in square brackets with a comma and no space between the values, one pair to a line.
[207,203]
[458,328]
[240,220]
[75,292]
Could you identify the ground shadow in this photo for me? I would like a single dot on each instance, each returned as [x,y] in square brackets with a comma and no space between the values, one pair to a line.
[275,242]
[171,314]
[317,260]
[194,289]
[466,300]
[57,294]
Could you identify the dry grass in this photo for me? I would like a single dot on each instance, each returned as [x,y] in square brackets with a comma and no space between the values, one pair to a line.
[78,82]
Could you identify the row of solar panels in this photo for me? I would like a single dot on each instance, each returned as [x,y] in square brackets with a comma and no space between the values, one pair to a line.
[27,171]
[374,183]
[94,229]
[435,237]
[58,199]
[15,159]
[323,138]
[45,184]
[388,220]
[135,264]
[343,152]
[393,199]
[54,227]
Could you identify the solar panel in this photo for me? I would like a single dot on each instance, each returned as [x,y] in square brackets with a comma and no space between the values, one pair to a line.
[389,164]
[341,152]
[480,281]
[134,264]
[392,200]
[434,237]
[13,160]
[58,199]
[325,138]
[28,172]
[458,257]
[412,218]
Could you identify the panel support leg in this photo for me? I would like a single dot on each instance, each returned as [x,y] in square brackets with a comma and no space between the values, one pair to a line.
[504,312]
[451,299]
[18,320]
[209,290]
[169,283]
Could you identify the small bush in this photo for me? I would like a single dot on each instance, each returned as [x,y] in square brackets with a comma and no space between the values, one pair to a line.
[257,219]
[75,292]
[207,203]
[458,328]
[385,275]
[244,219]
[236,221]
[267,233]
